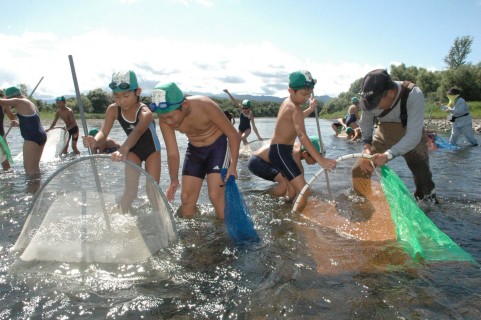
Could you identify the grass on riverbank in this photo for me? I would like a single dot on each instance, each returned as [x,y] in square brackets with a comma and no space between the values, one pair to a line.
[437,113]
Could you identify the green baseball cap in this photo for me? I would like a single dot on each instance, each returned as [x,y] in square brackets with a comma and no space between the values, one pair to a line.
[13,92]
[61,98]
[123,81]
[166,98]
[93,132]
[315,142]
[301,80]
[246,104]
[355,100]
[349,130]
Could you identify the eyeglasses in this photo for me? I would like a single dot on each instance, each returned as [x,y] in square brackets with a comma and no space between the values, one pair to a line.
[123,86]
[162,105]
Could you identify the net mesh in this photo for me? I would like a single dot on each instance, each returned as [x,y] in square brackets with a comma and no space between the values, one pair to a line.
[237,217]
[441,143]
[419,236]
[96,210]
[4,151]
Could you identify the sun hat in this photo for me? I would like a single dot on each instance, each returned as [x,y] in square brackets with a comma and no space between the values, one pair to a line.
[61,98]
[13,92]
[123,81]
[355,100]
[166,97]
[374,85]
[301,79]
[246,104]
[93,132]
[453,91]
[315,142]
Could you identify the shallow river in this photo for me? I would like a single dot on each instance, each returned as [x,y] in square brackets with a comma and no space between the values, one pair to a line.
[205,276]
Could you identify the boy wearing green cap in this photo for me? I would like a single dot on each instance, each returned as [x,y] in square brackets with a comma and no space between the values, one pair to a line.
[142,143]
[259,164]
[108,146]
[210,136]
[289,126]
[30,128]
[68,117]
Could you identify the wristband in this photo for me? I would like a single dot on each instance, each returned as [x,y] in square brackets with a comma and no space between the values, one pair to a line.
[388,155]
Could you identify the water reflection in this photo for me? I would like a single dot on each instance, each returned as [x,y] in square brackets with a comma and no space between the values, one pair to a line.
[299,270]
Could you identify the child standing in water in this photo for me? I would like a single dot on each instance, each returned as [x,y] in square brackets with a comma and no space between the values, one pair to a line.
[246,118]
[67,115]
[289,126]
[142,143]
[30,128]
[210,135]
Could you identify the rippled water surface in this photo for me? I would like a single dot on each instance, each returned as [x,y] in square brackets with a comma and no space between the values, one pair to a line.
[299,270]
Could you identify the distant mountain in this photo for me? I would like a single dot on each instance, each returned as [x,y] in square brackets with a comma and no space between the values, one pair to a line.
[324,98]
[257,98]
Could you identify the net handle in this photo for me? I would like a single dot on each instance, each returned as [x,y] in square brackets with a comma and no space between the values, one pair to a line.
[84,124]
[318,173]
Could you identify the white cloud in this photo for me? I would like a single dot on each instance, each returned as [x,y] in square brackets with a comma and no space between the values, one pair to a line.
[248,68]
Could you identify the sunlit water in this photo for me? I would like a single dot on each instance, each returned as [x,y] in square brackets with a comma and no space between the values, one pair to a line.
[205,276]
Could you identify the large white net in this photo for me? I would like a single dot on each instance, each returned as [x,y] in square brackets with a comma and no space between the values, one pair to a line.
[96,210]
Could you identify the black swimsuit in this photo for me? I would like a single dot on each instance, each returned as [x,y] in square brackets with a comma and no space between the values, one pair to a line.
[148,143]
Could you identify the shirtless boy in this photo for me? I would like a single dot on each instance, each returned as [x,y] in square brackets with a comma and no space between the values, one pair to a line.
[67,115]
[210,136]
[289,125]
[260,165]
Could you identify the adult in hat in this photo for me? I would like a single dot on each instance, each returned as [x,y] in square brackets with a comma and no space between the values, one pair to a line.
[210,136]
[462,122]
[381,99]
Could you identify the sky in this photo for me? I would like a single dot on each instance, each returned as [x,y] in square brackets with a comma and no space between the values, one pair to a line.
[246,46]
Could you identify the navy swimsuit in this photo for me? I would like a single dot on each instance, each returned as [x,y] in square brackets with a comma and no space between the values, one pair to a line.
[148,143]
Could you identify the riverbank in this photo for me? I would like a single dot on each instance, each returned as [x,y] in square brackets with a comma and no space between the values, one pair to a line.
[445,125]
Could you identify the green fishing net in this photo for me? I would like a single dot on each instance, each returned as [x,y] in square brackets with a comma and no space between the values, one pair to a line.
[419,236]
[4,151]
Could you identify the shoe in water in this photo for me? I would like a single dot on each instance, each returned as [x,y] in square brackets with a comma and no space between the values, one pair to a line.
[429,199]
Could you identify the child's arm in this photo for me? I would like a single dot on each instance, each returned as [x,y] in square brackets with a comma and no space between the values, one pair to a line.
[145,118]
[298,119]
[173,159]
[239,105]
[12,116]
[312,107]
[220,120]
[101,136]
[251,117]
[54,122]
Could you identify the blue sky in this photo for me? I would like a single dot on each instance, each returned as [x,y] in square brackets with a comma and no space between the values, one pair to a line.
[247,46]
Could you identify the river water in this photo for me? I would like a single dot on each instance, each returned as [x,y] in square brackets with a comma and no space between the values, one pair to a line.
[205,276]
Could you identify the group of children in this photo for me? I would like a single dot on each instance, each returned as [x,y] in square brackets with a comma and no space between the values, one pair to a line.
[213,142]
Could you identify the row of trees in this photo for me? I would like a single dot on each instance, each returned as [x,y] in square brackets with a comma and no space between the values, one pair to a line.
[459,73]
